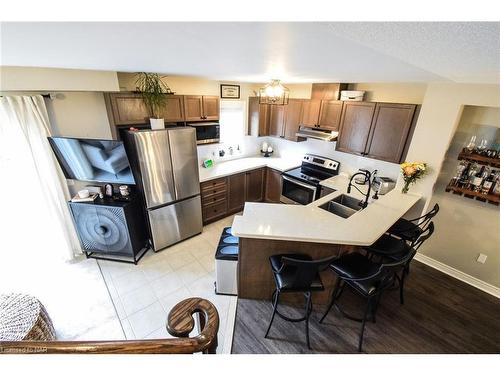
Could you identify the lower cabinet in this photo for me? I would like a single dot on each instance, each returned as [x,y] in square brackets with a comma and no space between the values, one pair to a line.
[227,195]
[214,199]
[273,186]
[236,196]
[254,185]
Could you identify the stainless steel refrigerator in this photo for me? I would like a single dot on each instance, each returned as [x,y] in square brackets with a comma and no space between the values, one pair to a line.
[165,167]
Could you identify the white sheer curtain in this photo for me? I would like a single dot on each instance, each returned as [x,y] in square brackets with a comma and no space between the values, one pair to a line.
[34,218]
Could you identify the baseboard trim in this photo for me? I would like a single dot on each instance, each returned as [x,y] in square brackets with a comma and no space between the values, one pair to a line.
[462,276]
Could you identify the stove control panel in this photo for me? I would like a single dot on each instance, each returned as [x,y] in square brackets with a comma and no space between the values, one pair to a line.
[321,161]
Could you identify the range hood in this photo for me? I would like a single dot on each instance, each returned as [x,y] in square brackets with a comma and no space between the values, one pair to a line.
[317,133]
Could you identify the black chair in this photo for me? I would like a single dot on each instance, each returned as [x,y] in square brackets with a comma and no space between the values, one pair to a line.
[410,230]
[393,249]
[296,273]
[368,279]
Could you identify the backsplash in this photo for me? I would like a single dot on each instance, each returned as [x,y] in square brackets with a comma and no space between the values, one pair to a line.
[348,163]
[245,147]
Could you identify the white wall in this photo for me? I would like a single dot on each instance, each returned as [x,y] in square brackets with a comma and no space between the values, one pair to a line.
[466,227]
[392,92]
[439,118]
[14,78]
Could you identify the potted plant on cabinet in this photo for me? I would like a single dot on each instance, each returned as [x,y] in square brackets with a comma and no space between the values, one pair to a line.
[153,91]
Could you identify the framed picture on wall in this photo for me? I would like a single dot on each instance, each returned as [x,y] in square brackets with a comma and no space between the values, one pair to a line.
[229,91]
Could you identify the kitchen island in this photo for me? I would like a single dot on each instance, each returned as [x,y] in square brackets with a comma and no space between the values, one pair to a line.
[269,229]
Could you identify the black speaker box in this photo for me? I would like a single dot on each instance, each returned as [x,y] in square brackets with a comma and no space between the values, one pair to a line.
[110,227]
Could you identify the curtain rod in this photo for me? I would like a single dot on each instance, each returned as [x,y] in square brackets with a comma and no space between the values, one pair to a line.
[46,96]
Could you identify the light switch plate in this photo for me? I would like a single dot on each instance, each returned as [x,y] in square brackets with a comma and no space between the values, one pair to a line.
[482,258]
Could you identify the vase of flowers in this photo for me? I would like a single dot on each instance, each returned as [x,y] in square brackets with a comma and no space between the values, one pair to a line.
[411,173]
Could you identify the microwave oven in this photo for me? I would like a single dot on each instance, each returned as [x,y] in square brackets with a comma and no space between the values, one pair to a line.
[206,132]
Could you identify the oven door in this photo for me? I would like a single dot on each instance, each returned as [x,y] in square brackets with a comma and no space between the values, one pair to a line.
[296,192]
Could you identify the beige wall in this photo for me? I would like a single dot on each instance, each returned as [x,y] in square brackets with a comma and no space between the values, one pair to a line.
[466,227]
[13,78]
[392,92]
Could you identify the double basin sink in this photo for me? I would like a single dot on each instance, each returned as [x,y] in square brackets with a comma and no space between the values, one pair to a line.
[343,206]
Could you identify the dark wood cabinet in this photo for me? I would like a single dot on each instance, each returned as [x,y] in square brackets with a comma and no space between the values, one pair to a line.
[129,109]
[310,112]
[193,107]
[214,200]
[389,132]
[330,114]
[258,117]
[355,127]
[276,120]
[254,185]
[376,130]
[173,111]
[201,108]
[211,108]
[126,109]
[293,112]
[236,192]
[273,186]
[327,91]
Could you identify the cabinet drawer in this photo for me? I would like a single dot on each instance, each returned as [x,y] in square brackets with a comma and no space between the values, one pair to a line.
[214,211]
[207,185]
[216,190]
[214,198]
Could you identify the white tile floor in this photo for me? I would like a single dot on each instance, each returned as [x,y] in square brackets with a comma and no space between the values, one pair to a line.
[144,294]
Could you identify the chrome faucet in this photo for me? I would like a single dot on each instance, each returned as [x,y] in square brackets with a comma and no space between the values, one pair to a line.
[368,178]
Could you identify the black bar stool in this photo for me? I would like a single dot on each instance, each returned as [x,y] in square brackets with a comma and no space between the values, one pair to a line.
[368,279]
[393,249]
[409,230]
[296,273]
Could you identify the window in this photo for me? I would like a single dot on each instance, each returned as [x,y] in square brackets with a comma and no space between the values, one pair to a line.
[232,121]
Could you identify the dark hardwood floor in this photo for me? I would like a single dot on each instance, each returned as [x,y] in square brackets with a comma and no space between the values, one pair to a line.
[440,315]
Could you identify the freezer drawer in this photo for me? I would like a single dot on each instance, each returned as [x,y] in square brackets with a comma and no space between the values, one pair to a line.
[175,222]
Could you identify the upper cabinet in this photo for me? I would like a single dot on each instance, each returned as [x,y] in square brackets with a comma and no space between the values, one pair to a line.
[376,130]
[330,114]
[211,108]
[310,113]
[355,127]
[201,108]
[126,109]
[276,120]
[258,117]
[323,114]
[292,117]
[284,120]
[173,111]
[390,131]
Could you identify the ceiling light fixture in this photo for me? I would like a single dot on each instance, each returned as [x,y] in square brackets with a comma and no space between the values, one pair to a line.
[274,93]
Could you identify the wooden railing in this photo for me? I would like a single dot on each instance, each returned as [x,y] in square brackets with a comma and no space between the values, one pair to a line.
[180,323]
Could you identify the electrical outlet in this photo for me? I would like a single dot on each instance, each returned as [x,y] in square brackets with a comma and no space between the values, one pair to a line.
[482,258]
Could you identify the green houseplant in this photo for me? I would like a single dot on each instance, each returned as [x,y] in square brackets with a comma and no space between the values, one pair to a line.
[153,91]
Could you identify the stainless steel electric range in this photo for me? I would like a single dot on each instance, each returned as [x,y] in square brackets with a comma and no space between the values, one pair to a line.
[301,185]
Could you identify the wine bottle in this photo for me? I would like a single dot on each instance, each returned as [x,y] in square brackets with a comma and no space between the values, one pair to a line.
[488,184]
[477,179]
[496,186]
[462,181]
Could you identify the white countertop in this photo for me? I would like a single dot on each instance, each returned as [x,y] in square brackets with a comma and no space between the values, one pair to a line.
[313,224]
[230,167]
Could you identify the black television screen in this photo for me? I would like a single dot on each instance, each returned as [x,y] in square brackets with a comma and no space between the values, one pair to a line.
[95,160]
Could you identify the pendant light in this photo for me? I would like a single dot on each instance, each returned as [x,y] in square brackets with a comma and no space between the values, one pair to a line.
[274,93]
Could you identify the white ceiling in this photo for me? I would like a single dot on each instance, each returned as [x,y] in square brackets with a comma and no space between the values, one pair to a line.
[256,52]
